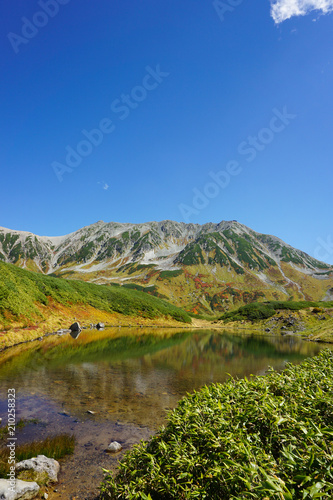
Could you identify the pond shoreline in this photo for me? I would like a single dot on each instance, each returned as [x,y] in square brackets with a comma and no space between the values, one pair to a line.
[197,325]
[66,330]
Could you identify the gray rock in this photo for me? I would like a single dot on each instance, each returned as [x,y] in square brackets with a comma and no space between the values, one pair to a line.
[99,326]
[41,464]
[23,490]
[114,447]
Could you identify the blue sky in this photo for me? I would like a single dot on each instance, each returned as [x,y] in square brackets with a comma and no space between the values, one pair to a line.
[136,111]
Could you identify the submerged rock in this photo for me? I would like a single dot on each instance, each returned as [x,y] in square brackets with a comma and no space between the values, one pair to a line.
[41,464]
[114,447]
[23,490]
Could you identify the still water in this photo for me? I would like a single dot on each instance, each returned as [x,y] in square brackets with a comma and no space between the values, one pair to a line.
[119,383]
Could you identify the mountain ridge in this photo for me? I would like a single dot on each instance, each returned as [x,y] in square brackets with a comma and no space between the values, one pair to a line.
[186,263]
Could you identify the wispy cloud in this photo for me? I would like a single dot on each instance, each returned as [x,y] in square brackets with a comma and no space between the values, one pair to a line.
[285,9]
[104,185]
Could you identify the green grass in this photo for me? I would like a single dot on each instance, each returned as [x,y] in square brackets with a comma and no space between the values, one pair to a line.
[20,290]
[267,438]
[53,447]
[264,310]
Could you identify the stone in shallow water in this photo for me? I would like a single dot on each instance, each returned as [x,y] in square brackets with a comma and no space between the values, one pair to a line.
[114,447]
[23,490]
[41,464]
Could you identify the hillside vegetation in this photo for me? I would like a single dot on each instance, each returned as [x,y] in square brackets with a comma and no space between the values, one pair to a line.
[25,297]
[313,320]
[269,437]
[263,310]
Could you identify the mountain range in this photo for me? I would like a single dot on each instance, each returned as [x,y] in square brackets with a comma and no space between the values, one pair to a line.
[206,269]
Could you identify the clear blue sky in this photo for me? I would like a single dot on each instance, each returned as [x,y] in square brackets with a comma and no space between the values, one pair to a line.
[197,88]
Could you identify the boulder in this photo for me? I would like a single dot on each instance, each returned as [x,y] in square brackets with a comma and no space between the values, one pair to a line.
[114,447]
[41,464]
[23,490]
[75,327]
[99,326]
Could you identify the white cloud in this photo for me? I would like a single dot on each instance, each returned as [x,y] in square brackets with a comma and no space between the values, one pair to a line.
[284,9]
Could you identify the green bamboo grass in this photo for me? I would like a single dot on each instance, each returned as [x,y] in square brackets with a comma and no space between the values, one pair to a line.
[267,438]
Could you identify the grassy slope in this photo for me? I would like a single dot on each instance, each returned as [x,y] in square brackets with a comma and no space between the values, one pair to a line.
[27,298]
[269,437]
[314,319]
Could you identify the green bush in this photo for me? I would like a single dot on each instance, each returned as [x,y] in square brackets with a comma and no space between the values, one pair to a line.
[269,437]
[252,312]
[171,274]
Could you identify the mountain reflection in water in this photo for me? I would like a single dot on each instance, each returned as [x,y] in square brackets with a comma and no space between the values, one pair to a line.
[136,374]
